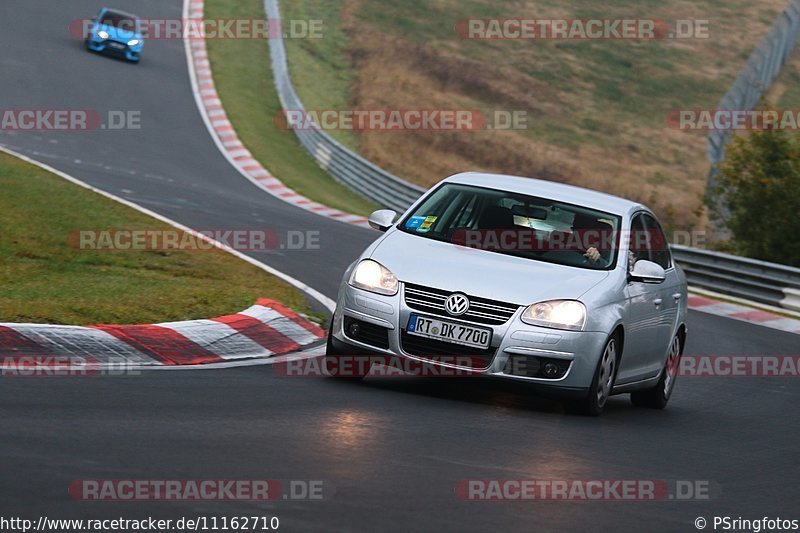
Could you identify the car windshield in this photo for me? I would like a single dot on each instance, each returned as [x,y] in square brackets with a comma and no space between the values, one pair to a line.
[122,21]
[515,224]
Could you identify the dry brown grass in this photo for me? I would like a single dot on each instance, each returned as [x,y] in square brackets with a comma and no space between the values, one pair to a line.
[577,133]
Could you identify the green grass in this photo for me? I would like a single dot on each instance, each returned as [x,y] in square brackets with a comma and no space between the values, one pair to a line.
[243,79]
[320,66]
[45,279]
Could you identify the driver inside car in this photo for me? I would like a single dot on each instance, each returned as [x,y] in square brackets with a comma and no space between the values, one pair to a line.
[594,237]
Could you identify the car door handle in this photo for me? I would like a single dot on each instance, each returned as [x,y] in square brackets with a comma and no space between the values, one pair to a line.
[676,297]
[657,301]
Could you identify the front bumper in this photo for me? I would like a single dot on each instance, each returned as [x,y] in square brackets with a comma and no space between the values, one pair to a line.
[515,345]
[115,48]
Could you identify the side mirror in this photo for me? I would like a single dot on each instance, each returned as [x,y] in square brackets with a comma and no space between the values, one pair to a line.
[647,272]
[382,219]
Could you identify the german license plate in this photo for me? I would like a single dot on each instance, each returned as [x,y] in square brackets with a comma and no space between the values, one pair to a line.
[443,330]
[118,46]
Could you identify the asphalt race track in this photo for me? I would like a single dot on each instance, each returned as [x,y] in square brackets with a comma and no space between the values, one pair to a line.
[393,450]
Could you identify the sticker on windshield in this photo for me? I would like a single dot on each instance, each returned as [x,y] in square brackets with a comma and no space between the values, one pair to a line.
[414,222]
[425,227]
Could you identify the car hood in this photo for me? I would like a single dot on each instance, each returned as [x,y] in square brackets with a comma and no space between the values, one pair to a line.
[506,278]
[119,34]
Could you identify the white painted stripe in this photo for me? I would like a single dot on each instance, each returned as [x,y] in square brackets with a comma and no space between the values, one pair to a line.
[784,324]
[240,152]
[326,212]
[282,324]
[309,353]
[218,338]
[82,343]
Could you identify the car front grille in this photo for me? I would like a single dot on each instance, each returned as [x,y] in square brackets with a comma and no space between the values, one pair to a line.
[481,310]
[431,348]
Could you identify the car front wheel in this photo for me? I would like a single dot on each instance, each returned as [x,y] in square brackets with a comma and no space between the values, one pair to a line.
[603,382]
[658,396]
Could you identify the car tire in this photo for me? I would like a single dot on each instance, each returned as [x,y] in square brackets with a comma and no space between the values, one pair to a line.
[603,382]
[657,397]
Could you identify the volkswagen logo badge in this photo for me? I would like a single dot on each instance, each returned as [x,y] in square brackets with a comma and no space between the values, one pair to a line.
[456,304]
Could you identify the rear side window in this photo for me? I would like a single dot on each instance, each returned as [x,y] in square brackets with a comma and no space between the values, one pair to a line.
[659,249]
[639,248]
[647,241]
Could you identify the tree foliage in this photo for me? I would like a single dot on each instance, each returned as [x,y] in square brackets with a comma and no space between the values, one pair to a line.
[757,195]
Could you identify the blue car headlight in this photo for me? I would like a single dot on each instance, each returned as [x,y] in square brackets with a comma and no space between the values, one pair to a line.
[102,34]
[133,42]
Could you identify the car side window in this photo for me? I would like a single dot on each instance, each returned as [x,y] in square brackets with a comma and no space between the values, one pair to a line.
[659,248]
[639,245]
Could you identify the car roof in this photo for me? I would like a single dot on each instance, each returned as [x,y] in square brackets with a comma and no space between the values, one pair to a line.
[119,13]
[549,189]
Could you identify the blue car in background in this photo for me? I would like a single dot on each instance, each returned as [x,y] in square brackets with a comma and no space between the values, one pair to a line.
[116,33]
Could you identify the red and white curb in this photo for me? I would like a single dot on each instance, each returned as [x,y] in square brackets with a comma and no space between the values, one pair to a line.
[228,142]
[266,329]
[761,317]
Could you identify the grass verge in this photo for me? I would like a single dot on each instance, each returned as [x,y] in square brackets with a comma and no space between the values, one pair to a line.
[47,280]
[244,82]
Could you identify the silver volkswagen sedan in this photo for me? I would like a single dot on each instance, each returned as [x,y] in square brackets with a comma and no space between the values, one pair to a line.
[571,290]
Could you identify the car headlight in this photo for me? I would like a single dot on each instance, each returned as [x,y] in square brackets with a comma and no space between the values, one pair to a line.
[102,34]
[374,277]
[559,314]
[133,42]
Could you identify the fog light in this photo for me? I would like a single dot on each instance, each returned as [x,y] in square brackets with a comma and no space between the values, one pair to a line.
[352,330]
[551,370]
